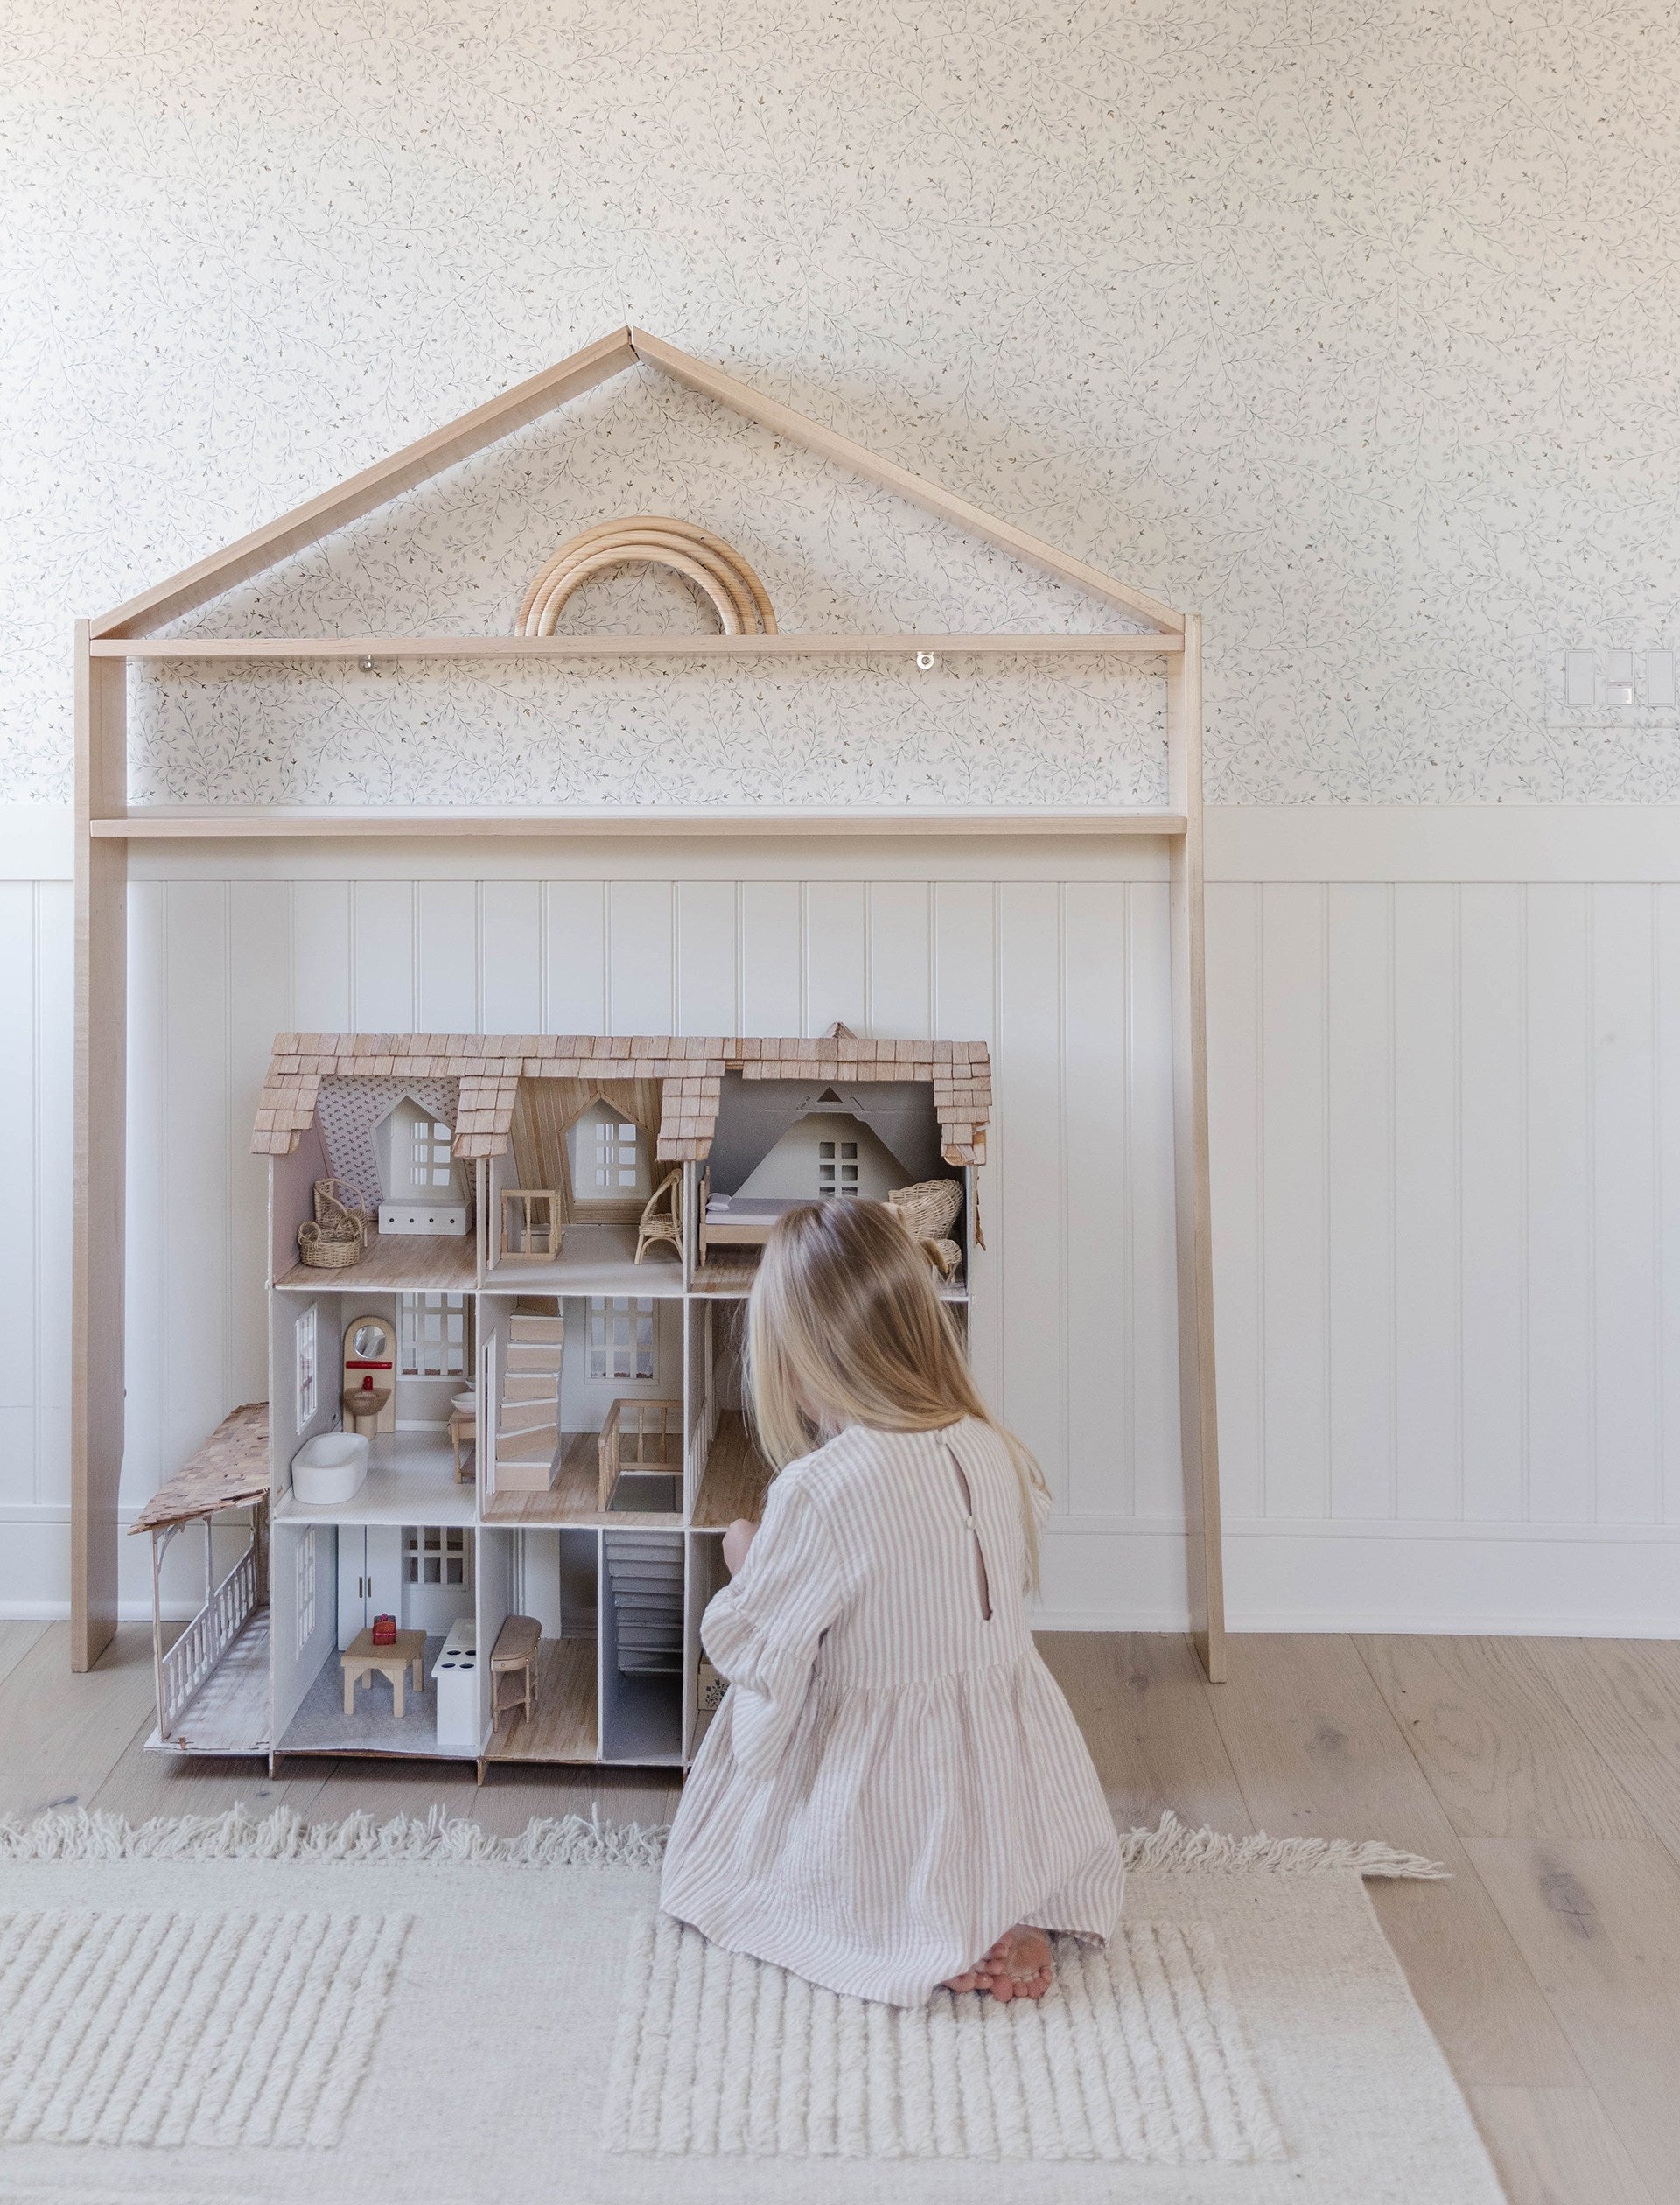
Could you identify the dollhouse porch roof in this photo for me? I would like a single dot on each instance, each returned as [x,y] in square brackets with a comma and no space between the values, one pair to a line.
[232,1467]
[690,1071]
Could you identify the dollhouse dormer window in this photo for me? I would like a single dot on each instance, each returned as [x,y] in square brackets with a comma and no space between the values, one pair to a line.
[607,1155]
[837,1168]
[429,1167]
[615,1157]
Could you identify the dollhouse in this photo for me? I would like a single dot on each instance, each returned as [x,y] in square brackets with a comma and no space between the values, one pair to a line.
[504,1434]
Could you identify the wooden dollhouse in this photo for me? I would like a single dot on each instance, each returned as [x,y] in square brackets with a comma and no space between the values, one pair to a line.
[520,1443]
[451,1256]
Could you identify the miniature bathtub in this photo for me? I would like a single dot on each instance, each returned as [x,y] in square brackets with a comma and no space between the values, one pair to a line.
[329,1467]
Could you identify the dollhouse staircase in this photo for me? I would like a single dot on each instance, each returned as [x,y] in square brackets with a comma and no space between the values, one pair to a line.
[645,1571]
[527,1416]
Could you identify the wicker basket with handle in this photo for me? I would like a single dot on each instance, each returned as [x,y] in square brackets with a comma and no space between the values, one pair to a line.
[338,1234]
[928,1208]
[927,1211]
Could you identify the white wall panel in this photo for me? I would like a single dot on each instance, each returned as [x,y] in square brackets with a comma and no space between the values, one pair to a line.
[1446,1146]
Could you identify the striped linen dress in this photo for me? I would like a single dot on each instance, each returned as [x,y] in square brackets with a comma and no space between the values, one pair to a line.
[893,1779]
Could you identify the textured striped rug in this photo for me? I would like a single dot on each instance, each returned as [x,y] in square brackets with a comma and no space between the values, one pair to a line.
[141,2027]
[1136,2054]
[267,2011]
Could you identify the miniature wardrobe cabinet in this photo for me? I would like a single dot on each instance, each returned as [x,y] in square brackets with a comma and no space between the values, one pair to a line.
[552,1301]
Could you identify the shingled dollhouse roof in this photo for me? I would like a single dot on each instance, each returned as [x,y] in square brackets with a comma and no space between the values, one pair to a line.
[490,1066]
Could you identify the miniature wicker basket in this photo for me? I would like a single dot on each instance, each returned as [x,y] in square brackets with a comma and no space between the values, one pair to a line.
[927,1211]
[928,1208]
[339,1235]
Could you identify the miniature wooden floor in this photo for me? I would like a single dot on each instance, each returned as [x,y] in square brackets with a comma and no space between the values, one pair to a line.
[564,1727]
[574,1495]
[735,1478]
[1545,1773]
[594,1259]
[428,1262]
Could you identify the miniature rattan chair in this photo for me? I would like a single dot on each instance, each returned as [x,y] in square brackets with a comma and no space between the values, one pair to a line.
[662,1218]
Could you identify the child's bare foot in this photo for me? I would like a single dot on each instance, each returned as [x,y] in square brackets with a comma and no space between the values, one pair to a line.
[1020,1965]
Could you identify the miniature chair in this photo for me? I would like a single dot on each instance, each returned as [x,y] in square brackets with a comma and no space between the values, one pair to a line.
[514,1657]
[661,1219]
[531,1231]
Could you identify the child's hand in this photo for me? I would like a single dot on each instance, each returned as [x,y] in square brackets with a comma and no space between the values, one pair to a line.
[737,1540]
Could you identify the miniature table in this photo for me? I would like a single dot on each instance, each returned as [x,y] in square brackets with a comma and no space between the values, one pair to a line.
[361,1658]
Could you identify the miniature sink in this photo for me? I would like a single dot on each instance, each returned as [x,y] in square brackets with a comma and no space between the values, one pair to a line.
[465,1403]
[329,1467]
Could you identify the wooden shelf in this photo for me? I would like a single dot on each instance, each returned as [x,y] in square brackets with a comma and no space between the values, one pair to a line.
[1144,644]
[169,822]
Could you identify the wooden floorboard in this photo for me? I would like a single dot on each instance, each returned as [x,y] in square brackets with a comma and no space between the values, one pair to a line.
[1599,1922]
[1553,2147]
[1318,1754]
[1504,1754]
[1546,1775]
[16,1639]
[1625,1694]
[61,1735]
[1147,1715]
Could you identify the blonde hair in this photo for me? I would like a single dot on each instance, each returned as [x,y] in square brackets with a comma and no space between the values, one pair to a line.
[845,1326]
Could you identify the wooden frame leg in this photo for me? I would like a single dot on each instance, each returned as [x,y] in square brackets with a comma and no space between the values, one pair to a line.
[1198,1411]
[97,1236]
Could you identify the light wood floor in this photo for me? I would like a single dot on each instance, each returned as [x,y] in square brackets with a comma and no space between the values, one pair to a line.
[1545,1773]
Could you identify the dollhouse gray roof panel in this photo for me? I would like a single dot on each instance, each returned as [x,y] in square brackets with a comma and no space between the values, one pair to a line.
[690,1071]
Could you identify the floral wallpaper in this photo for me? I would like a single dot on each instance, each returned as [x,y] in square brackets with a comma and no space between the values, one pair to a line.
[1355,329]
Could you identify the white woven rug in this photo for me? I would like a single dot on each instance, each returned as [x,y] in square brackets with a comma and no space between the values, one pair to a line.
[265,2013]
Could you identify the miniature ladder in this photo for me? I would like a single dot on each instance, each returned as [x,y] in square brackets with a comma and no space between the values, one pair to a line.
[645,1572]
[527,1416]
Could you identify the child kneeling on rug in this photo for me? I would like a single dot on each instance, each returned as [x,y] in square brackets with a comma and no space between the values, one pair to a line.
[894,1796]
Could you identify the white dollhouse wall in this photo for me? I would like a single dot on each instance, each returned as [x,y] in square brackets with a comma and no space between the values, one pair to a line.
[608,1340]
[831,1152]
[500,1595]
[303,1612]
[306,1347]
[292,1198]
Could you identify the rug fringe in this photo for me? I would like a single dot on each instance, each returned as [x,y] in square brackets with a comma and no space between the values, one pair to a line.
[570,1841]
[1175,1846]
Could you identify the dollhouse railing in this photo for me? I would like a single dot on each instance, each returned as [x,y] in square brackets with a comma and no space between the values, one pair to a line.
[205,1639]
[639,1435]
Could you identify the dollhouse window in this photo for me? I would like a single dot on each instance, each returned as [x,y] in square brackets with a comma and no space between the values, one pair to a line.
[620,1337]
[433,1554]
[306,1586]
[431,1334]
[430,1164]
[607,1155]
[837,1168]
[615,1156]
[307,1339]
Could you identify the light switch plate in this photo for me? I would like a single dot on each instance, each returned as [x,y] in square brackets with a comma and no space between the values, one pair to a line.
[1580,685]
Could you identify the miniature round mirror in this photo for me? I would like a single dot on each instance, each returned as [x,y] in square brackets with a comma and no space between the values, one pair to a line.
[369,1341]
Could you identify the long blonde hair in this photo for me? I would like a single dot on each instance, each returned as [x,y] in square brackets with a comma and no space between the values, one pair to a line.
[845,1326]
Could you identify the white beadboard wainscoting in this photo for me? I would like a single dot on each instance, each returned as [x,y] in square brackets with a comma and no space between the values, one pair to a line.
[1446,1085]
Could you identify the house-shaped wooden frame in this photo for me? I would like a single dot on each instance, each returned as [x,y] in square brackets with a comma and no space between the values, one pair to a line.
[106,824]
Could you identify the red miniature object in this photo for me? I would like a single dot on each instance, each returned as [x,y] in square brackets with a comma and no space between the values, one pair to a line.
[384,1630]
